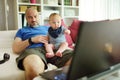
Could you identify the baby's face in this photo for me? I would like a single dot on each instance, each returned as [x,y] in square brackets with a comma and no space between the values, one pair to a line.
[55,22]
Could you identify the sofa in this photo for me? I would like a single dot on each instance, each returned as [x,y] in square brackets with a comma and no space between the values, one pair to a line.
[9,69]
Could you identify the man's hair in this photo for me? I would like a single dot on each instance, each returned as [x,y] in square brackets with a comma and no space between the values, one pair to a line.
[30,8]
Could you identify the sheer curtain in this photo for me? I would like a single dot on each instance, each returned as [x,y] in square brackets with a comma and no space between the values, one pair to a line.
[114,9]
[95,10]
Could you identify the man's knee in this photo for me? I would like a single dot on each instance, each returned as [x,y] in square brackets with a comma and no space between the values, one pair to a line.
[32,61]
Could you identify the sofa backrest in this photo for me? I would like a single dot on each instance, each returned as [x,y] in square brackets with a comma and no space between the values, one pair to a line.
[6,38]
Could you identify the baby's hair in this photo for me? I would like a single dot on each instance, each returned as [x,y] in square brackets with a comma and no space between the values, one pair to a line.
[53,14]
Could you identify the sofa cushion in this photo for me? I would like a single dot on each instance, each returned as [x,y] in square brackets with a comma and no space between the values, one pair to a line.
[68,37]
[74,29]
[6,38]
[9,70]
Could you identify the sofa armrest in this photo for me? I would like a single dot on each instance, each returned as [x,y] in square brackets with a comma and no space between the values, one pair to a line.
[6,38]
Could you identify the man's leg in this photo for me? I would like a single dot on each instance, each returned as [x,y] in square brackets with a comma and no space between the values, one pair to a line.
[68,62]
[65,60]
[33,65]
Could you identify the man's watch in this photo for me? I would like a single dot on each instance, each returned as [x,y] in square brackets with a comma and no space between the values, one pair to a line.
[30,41]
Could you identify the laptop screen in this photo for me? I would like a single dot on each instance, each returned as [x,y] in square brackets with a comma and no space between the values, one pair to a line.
[97,49]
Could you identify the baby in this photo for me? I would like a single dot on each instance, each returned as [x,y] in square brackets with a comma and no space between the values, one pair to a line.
[56,34]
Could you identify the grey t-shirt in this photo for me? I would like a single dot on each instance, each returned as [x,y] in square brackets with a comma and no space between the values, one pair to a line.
[57,41]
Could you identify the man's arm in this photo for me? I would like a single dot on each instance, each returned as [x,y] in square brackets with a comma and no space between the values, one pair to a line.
[19,45]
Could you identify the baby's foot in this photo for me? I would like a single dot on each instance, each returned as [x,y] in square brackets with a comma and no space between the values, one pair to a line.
[49,55]
[59,54]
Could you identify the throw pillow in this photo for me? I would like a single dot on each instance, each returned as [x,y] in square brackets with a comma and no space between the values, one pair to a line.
[74,29]
[68,37]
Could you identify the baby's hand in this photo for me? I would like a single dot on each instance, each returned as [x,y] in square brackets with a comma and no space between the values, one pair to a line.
[67,31]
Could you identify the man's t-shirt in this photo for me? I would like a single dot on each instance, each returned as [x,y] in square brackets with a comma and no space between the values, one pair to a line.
[28,32]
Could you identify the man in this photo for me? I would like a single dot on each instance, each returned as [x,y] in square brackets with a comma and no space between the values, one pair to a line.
[29,43]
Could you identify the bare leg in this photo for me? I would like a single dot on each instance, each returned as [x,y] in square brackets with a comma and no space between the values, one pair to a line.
[49,49]
[62,48]
[33,66]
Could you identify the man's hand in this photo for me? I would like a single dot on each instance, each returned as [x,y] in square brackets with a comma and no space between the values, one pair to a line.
[38,39]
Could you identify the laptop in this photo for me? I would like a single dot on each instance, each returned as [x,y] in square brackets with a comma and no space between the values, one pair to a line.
[97,49]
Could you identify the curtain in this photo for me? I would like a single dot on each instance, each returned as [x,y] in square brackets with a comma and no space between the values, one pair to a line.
[96,10]
[114,9]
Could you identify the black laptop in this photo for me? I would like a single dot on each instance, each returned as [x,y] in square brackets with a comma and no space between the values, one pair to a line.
[97,49]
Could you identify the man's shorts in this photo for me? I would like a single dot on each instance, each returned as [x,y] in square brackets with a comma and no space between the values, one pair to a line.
[58,61]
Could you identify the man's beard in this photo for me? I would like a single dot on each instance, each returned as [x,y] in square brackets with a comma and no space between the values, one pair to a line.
[34,24]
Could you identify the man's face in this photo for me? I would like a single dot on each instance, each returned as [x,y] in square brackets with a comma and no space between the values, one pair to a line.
[32,18]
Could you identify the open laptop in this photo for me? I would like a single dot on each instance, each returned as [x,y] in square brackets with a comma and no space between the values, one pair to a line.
[97,50]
